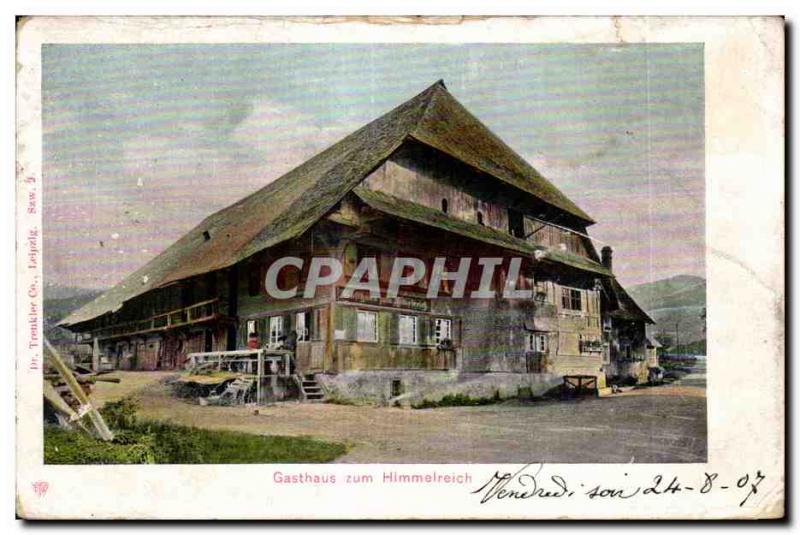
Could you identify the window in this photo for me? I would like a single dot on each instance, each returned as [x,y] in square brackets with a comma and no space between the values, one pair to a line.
[536,342]
[516,224]
[540,291]
[301,326]
[251,339]
[444,205]
[254,280]
[397,387]
[252,328]
[208,343]
[364,251]
[571,299]
[480,217]
[408,330]
[275,330]
[444,330]
[211,285]
[367,326]
[187,294]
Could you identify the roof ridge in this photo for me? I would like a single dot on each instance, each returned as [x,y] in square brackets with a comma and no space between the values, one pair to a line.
[513,168]
[439,84]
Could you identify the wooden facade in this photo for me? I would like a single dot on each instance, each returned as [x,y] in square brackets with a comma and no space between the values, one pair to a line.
[419,202]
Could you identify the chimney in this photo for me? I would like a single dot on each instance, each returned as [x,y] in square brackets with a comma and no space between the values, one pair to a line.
[607,254]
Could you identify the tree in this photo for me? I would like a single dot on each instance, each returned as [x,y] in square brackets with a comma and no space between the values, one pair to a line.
[703,318]
[664,339]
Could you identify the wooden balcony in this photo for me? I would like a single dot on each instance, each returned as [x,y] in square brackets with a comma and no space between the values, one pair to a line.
[193,314]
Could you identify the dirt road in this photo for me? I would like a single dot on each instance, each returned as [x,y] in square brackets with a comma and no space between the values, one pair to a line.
[662,424]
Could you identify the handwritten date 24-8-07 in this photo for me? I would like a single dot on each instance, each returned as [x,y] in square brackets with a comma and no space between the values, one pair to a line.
[530,482]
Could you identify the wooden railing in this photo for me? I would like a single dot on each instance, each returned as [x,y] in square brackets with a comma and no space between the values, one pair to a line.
[196,313]
[248,361]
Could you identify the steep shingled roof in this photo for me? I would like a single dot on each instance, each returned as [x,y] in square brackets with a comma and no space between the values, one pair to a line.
[292,203]
[627,308]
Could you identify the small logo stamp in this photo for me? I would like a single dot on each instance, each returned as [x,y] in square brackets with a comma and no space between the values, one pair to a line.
[40,487]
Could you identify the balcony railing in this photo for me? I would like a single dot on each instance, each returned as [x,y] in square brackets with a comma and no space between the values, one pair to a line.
[196,313]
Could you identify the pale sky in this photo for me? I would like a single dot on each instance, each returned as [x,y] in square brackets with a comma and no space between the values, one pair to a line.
[142,142]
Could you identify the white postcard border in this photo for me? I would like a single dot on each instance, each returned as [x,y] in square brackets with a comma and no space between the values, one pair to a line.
[745,270]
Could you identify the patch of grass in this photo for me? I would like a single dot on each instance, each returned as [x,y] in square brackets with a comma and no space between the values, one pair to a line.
[165,443]
[190,445]
[73,447]
[458,400]
[336,400]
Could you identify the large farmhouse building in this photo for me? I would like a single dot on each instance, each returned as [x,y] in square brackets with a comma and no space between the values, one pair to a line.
[426,180]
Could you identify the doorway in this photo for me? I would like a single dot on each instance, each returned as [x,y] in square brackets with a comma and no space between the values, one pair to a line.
[208,342]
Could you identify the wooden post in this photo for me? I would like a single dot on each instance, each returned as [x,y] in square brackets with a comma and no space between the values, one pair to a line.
[327,360]
[96,354]
[75,389]
[259,375]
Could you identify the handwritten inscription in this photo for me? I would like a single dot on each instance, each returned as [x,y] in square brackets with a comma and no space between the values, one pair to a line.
[531,482]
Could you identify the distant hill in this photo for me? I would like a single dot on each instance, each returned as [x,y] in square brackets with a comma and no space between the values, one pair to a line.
[680,299]
[59,301]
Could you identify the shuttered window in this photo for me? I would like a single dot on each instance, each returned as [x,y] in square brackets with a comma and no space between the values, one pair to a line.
[408,330]
[444,330]
[367,329]
[275,329]
[536,342]
[301,326]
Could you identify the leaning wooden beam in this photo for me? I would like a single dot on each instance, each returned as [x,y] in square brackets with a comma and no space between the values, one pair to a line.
[61,406]
[75,388]
[83,378]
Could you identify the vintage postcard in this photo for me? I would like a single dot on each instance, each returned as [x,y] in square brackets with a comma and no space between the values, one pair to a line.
[400,268]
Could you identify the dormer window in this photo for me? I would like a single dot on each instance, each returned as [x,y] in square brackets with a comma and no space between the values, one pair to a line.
[444,205]
[516,224]
[480,217]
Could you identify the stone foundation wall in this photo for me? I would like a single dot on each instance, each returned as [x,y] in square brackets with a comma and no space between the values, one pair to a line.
[637,369]
[375,387]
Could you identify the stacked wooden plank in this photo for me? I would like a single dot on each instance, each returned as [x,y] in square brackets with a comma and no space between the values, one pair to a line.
[67,391]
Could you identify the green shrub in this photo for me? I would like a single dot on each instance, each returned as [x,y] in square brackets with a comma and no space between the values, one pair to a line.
[120,414]
[126,437]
